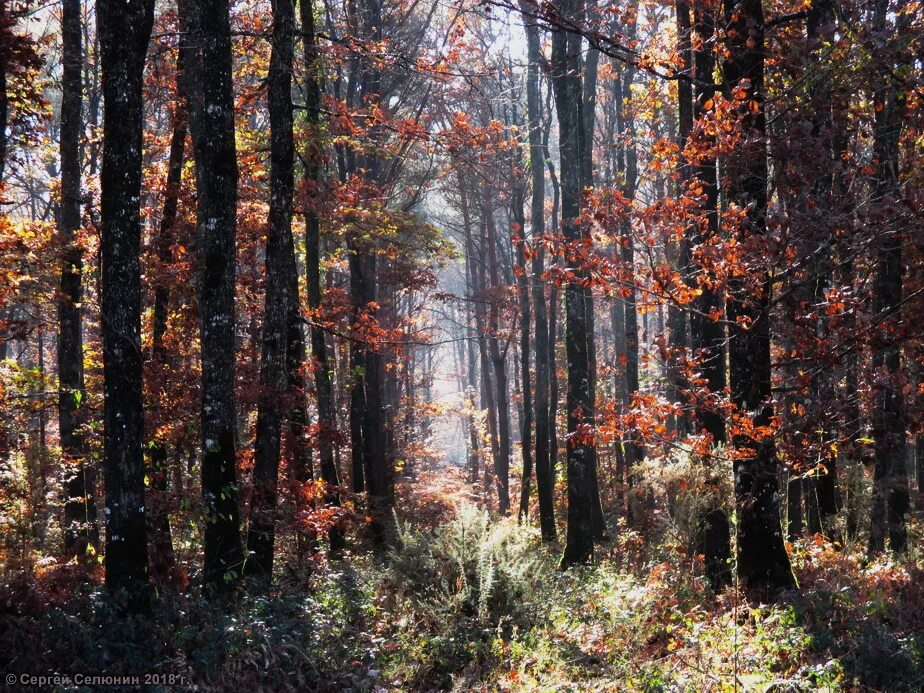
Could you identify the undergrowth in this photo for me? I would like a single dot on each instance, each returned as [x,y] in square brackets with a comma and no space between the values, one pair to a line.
[478,604]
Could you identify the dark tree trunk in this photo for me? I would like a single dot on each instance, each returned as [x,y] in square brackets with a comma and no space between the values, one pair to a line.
[124,32]
[280,256]
[366,425]
[79,506]
[707,336]
[367,417]
[526,433]
[357,399]
[919,461]
[820,486]
[498,358]
[544,482]
[475,450]
[890,482]
[588,118]
[679,251]
[794,520]
[554,306]
[327,421]
[763,563]
[566,82]
[211,110]
[627,164]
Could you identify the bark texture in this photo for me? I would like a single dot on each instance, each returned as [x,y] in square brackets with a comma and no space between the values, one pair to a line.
[124,33]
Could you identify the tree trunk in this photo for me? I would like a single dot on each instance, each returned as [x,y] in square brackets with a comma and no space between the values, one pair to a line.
[679,251]
[279,299]
[544,481]
[554,306]
[707,333]
[890,482]
[327,420]
[498,358]
[707,336]
[163,563]
[124,32]
[763,563]
[475,448]
[211,106]
[628,166]
[566,82]
[588,122]
[79,506]
[526,439]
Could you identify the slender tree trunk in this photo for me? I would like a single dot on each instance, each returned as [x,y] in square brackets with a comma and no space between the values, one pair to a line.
[919,461]
[79,506]
[475,448]
[679,251]
[628,166]
[498,358]
[553,313]
[544,481]
[476,280]
[890,482]
[163,563]
[526,439]
[588,116]
[821,494]
[211,110]
[279,248]
[327,420]
[707,336]
[763,563]
[794,520]
[124,32]
[566,82]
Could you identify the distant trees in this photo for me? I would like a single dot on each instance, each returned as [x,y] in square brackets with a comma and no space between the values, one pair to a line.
[725,197]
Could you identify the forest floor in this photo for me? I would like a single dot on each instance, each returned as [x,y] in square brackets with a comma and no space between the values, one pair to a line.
[470,603]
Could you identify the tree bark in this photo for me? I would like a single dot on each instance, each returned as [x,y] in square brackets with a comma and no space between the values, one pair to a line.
[890,482]
[544,481]
[627,164]
[763,563]
[79,505]
[566,83]
[327,421]
[279,299]
[526,433]
[707,336]
[211,106]
[124,32]
[677,321]
[498,358]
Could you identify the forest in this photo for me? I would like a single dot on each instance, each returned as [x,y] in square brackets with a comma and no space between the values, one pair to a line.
[471,345]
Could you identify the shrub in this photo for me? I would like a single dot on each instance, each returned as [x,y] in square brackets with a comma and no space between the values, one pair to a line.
[470,567]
